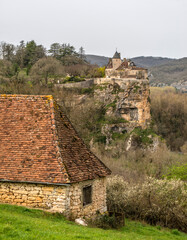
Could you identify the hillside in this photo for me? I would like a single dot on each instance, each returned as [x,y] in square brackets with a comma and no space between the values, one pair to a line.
[148,62]
[23,223]
[98,60]
[173,71]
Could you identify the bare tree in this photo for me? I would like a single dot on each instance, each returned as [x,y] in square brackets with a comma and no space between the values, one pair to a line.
[46,67]
[7,51]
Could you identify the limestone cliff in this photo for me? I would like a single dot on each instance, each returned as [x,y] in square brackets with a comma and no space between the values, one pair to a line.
[126,102]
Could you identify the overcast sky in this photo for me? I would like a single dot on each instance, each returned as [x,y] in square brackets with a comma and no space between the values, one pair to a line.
[134,27]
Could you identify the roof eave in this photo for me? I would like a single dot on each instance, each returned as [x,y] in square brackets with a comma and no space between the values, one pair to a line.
[33,182]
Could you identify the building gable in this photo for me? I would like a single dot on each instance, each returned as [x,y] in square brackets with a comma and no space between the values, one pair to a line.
[39,144]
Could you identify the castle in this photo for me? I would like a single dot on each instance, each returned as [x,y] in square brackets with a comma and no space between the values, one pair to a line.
[117,68]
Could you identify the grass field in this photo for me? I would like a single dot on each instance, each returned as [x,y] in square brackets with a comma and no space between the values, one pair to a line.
[28,224]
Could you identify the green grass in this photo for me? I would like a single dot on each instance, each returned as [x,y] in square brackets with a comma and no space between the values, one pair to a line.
[27,224]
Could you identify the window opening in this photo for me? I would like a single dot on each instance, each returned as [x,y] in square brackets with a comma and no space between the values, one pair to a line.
[87,195]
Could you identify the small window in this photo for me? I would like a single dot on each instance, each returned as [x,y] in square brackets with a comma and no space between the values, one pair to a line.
[87,195]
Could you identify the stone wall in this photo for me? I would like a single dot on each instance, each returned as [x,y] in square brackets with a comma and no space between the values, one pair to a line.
[98,198]
[126,73]
[65,199]
[116,63]
[83,84]
[41,196]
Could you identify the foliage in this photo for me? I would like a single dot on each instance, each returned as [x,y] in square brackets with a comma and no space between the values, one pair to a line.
[156,201]
[113,105]
[82,53]
[6,69]
[7,51]
[86,90]
[44,68]
[99,138]
[169,113]
[101,71]
[25,55]
[32,54]
[59,51]
[73,79]
[105,221]
[97,72]
[117,135]
[136,87]
[134,165]
[144,136]
[178,172]
[23,223]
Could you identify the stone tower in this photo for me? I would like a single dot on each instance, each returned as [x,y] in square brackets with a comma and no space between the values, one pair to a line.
[116,60]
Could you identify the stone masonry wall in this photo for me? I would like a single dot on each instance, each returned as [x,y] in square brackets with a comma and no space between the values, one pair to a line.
[66,199]
[41,196]
[98,198]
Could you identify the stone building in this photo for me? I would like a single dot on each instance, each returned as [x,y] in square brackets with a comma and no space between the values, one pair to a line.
[44,163]
[117,68]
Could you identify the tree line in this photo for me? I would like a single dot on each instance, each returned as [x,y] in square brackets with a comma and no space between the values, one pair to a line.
[60,60]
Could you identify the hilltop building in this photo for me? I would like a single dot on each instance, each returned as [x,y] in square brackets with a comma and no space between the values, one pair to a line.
[117,68]
[43,161]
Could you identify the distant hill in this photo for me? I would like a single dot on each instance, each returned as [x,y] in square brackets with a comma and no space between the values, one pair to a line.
[98,60]
[148,62]
[175,71]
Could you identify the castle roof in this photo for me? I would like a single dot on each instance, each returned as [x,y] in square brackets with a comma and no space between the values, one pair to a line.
[132,66]
[39,144]
[123,65]
[116,55]
[109,65]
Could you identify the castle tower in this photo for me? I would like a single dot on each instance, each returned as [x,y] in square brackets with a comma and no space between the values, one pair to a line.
[116,60]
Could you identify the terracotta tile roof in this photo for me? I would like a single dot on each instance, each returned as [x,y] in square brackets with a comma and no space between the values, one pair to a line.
[39,144]
[109,65]
[138,68]
[123,65]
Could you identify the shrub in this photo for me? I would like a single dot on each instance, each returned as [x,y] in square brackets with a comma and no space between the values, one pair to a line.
[116,196]
[73,79]
[144,136]
[179,172]
[105,221]
[161,202]
[169,113]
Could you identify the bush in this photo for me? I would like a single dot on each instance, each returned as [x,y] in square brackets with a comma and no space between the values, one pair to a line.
[105,221]
[169,113]
[161,202]
[144,136]
[179,172]
[73,79]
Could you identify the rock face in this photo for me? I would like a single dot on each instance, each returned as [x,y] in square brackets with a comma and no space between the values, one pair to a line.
[127,103]
[128,99]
